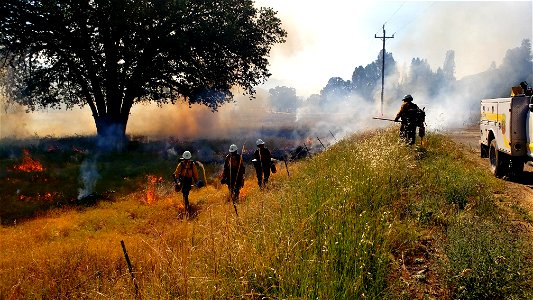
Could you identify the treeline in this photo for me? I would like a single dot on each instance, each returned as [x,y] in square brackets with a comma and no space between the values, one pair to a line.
[365,84]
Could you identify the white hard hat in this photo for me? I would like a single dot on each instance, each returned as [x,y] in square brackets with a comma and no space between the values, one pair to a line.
[232,148]
[259,142]
[186,155]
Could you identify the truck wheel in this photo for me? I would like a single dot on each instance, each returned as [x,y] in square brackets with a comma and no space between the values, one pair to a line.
[499,164]
[484,151]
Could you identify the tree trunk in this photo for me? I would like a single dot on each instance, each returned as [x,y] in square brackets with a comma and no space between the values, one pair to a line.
[111,131]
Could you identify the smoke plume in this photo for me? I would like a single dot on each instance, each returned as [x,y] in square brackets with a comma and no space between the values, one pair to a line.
[88,177]
[244,116]
[13,120]
[480,34]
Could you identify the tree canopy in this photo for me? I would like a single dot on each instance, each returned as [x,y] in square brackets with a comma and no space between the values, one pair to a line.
[284,99]
[111,54]
[366,80]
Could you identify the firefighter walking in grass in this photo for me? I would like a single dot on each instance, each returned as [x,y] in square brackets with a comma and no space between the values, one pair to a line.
[411,117]
[233,174]
[262,162]
[186,173]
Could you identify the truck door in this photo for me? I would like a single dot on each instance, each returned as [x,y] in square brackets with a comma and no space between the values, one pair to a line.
[518,122]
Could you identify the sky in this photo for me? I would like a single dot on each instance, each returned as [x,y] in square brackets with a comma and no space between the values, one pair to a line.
[331,38]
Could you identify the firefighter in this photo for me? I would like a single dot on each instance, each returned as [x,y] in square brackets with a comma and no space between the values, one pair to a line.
[233,174]
[262,160]
[526,88]
[409,120]
[186,172]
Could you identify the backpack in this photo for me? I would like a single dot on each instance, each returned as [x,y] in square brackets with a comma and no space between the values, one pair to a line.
[187,166]
[420,116]
[234,161]
[415,115]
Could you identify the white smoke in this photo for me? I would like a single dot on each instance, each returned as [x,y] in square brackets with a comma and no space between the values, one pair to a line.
[171,152]
[88,177]
[13,119]
[451,108]
[468,28]
[337,118]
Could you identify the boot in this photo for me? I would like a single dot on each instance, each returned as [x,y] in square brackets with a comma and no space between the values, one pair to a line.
[186,200]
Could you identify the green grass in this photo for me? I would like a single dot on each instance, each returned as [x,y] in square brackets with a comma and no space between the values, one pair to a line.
[485,258]
[486,261]
[369,218]
[342,198]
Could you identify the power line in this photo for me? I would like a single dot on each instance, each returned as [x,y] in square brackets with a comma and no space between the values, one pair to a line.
[414,18]
[397,10]
[384,37]
[394,13]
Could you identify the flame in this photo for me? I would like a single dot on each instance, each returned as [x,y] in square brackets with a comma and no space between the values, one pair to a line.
[46,196]
[243,192]
[246,188]
[53,148]
[150,188]
[79,150]
[28,164]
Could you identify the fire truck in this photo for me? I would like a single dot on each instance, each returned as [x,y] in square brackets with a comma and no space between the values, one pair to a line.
[506,127]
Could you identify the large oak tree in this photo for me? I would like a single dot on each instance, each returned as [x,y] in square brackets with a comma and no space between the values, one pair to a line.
[111,54]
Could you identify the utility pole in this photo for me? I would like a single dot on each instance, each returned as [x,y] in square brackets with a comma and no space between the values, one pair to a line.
[384,37]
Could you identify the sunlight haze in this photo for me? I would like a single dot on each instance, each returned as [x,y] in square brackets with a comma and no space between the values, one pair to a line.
[331,38]
[327,39]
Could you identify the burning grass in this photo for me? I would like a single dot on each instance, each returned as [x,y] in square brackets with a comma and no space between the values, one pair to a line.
[28,164]
[369,218]
[151,187]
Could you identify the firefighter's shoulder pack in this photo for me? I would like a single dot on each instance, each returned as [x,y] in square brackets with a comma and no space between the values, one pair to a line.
[420,116]
[416,115]
[186,169]
[233,161]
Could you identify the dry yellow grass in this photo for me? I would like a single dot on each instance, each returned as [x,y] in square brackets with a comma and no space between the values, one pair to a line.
[211,253]
[71,253]
[335,229]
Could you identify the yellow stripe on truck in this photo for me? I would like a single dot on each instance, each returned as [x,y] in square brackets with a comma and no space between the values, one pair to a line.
[491,116]
[486,116]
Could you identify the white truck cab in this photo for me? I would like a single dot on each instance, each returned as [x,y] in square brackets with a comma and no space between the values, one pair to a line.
[506,129]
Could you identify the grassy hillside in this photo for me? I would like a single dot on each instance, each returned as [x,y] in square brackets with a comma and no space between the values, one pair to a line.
[369,218]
